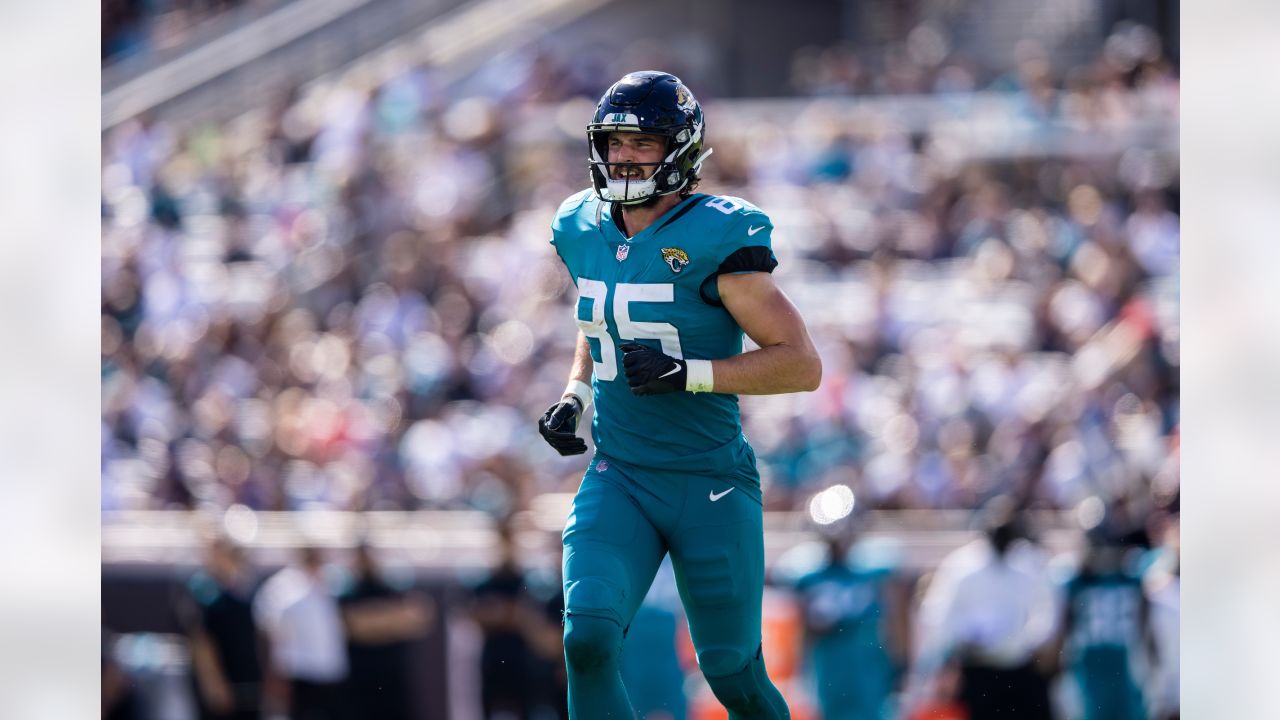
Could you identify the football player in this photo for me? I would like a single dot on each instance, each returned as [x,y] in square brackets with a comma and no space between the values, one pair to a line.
[668,282]
[1107,630]
[855,618]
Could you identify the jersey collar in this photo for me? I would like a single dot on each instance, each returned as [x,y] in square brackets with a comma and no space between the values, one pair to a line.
[674,213]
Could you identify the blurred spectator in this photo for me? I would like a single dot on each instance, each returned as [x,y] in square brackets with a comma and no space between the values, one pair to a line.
[308,656]
[123,28]
[381,620]
[1162,586]
[546,634]
[119,697]
[223,637]
[1107,629]
[855,616]
[513,676]
[130,27]
[991,608]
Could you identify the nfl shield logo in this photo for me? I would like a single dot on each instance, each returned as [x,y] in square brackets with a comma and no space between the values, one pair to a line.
[602,466]
[623,250]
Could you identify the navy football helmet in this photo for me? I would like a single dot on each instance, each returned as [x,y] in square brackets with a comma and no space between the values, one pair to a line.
[648,102]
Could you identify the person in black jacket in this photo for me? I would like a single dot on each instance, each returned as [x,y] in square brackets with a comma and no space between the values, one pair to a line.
[381,620]
[225,647]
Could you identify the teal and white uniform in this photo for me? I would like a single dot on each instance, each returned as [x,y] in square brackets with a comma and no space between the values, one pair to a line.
[650,661]
[659,289]
[1105,644]
[673,473]
[845,621]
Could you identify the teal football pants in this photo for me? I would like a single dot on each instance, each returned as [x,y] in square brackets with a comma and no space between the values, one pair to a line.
[624,519]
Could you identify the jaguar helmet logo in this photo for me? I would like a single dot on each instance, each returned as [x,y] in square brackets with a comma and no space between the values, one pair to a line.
[675,258]
[684,99]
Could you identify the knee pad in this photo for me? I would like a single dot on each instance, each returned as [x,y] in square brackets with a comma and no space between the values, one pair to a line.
[596,596]
[742,685]
[590,642]
[592,624]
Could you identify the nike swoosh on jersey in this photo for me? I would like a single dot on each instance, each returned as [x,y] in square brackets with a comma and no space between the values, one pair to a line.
[675,369]
[754,230]
[716,496]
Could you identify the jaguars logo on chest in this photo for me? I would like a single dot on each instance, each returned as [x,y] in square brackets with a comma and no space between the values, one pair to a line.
[675,258]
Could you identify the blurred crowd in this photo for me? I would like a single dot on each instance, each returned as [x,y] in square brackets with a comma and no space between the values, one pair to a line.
[347,300]
[926,63]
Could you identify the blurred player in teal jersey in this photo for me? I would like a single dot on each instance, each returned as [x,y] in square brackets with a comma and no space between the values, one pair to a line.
[1106,631]
[650,661]
[668,282]
[855,629]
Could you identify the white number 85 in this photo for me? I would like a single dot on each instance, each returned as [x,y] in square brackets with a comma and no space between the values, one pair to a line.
[624,294]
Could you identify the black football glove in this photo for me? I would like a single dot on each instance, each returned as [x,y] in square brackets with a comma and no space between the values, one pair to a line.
[651,372]
[559,424]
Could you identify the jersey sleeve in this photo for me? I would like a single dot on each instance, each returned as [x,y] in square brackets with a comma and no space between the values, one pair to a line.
[567,230]
[746,247]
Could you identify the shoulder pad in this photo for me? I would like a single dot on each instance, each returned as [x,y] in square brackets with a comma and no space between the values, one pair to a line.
[570,217]
[573,202]
[732,209]
[733,214]
[575,214]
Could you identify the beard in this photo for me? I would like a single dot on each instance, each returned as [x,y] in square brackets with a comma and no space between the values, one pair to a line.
[645,203]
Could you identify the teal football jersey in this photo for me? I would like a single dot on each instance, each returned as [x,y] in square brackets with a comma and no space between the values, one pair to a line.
[658,288]
[1105,647]
[845,606]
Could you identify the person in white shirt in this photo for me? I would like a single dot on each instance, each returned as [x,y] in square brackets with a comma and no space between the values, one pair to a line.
[991,608]
[308,651]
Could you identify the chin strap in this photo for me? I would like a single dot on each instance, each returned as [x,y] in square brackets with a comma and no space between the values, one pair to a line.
[697,164]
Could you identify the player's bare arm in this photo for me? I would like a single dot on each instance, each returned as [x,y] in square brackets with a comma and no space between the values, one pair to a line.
[786,360]
[580,371]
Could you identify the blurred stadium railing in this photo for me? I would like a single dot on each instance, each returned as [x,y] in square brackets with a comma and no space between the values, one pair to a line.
[444,542]
[245,59]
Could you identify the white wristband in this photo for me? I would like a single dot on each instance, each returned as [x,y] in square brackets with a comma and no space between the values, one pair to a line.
[698,376]
[580,390]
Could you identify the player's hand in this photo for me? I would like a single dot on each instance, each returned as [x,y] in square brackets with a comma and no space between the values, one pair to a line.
[651,372]
[559,425]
